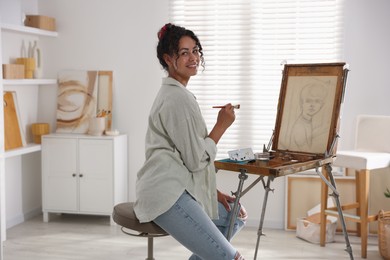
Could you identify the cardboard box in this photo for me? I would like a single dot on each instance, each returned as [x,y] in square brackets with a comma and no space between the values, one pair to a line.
[41,22]
[13,71]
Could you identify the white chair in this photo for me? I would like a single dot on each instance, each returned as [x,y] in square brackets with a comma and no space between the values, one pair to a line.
[372,151]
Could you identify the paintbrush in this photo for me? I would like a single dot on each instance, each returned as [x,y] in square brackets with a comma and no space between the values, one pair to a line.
[236,106]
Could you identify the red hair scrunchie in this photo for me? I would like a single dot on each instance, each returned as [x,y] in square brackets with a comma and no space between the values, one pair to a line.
[163,30]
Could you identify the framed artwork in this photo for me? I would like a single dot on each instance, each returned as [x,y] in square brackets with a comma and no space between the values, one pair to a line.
[308,110]
[105,88]
[82,95]
[302,194]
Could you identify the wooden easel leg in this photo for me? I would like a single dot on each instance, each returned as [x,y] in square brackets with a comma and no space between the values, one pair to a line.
[260,230]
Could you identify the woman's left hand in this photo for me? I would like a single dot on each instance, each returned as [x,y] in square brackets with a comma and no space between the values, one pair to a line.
[226,199]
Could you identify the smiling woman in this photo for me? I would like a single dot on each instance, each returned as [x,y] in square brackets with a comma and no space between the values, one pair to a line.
[176,186]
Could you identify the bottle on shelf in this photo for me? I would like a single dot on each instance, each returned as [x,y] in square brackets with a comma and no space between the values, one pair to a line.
[37,55]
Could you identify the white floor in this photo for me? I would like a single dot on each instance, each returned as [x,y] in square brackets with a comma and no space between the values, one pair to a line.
[76,237]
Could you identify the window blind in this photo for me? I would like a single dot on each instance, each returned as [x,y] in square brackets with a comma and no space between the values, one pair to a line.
[245,43]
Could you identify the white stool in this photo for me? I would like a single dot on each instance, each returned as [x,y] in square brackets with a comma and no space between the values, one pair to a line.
[372,151]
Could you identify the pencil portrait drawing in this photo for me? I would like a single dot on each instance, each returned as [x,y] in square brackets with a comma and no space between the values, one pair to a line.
[307,113]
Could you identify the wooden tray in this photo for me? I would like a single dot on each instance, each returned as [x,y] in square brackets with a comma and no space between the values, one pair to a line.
[280,165]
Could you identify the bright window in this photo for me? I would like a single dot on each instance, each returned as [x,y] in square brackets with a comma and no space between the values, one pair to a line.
[245,42]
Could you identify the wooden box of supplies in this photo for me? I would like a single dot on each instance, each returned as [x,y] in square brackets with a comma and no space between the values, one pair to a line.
[40,22]
[13,71]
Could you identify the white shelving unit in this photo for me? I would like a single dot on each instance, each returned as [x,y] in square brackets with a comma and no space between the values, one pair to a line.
[25,82]
[7,30]
[27,30]
[29,148]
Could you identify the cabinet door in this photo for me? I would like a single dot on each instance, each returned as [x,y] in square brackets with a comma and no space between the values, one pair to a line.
[60,179]
[96,175]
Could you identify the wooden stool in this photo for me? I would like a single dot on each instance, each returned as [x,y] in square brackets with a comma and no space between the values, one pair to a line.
[371,151]
[361,204]
[124,216]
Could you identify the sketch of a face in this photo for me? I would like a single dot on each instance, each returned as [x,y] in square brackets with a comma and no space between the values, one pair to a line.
[312,99]
[307,113]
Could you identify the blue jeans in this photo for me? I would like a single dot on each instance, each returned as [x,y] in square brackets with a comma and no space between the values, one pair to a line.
[189,224]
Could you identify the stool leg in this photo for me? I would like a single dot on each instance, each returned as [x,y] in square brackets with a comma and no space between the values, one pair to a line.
[357,194]
[324,206]
[364,184]
[150,249]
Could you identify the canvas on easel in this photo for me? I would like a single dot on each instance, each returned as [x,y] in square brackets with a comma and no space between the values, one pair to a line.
[309,108]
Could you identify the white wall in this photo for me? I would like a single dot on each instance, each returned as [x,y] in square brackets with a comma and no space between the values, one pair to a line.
[120,35]
[115,35]
[104,35]
[367,41]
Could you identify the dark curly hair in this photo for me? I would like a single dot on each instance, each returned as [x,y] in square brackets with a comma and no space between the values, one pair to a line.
[168,42]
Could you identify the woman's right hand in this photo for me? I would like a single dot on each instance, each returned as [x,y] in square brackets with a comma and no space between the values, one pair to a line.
[225,119]
[226,116]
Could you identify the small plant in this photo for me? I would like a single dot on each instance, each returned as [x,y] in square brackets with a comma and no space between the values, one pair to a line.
[387,193]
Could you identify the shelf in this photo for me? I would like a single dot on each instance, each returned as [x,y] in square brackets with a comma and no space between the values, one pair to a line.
[25,82]
[27,30]
[29,148]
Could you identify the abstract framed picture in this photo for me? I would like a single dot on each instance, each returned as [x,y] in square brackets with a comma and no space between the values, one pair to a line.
[83,94]
[76,100]
[309,107]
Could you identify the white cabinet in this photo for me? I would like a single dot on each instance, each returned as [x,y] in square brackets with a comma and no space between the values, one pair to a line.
[83,174]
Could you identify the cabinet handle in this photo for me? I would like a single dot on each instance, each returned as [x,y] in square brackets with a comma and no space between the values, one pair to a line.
[81,175]
[74,175]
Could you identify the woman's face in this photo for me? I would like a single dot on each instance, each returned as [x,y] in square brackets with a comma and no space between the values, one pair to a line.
[185,64]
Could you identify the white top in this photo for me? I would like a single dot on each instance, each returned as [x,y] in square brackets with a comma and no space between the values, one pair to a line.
[179,155]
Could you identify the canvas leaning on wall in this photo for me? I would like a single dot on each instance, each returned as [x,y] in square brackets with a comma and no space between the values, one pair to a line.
[83,95]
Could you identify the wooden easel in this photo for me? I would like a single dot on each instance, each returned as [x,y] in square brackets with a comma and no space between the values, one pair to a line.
[286,157]
[274,168]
